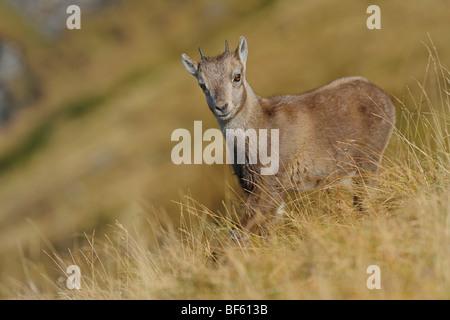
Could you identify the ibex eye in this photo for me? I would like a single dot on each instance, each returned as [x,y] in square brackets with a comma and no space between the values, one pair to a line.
[237,77]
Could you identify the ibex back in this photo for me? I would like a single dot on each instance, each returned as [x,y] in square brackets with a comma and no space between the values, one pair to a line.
[337,131]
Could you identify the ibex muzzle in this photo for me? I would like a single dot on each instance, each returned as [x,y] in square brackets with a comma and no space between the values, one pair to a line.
[337,131]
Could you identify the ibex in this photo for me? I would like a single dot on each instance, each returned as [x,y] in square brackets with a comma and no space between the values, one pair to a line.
[337,131]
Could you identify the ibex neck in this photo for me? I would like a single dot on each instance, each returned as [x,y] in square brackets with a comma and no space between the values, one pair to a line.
[248,114]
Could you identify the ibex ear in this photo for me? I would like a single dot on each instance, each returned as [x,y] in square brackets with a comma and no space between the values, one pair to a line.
[190,65]
[242,50]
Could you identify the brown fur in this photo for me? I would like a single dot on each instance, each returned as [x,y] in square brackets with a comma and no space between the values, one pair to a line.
[336,131]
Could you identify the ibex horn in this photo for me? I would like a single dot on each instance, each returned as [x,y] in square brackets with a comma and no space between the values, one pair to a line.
[226,47]
[201,53]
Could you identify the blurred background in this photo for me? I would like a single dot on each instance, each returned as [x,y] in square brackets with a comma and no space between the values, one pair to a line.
[86,115]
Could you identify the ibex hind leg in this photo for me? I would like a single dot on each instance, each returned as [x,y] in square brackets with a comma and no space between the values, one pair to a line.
[364,179]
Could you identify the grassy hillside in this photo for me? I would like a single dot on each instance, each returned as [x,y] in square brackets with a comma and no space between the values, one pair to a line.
[86,175]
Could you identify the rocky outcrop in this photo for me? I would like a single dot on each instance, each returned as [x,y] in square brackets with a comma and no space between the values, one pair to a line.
[49,16]
[12,71]
[6,105]
[18,86]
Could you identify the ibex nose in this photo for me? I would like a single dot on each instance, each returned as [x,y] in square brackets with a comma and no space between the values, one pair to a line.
[222,108]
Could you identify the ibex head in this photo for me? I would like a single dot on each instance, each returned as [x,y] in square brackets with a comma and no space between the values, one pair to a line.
[222,79]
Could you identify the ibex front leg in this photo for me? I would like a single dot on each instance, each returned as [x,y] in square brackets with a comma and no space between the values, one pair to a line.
[260,208]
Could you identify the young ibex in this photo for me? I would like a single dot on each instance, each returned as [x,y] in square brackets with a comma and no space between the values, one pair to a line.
[339,130]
